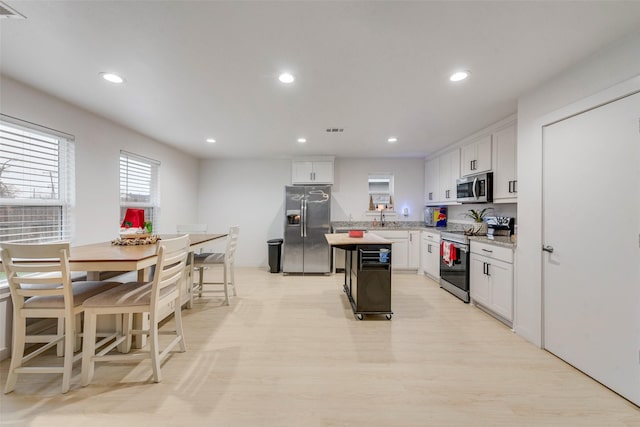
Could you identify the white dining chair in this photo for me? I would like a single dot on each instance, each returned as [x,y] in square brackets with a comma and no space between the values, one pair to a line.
[139,297]
[226,260]
[40,284]
[191,269]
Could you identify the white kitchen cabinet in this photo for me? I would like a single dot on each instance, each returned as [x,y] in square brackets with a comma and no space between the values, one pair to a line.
[491,279]
[431,181]
[431,254]
[414,250]
[440,175]
[312,172]
[449,165]
[505,183]
[476,156]
[405,251]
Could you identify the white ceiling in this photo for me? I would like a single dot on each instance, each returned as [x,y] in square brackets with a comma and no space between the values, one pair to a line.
[199,69]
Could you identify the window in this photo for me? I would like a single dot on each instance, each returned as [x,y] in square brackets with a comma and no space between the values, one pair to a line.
[139,186]
[380,191]
[36,183]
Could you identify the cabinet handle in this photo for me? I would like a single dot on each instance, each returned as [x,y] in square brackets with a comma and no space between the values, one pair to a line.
[446,194]
[515,188]
[484,268]
[510,190]
[488,265]
[487,250]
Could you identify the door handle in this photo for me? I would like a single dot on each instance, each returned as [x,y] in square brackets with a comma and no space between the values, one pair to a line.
[475,182]
[548,248]
[302,218]
[305,217]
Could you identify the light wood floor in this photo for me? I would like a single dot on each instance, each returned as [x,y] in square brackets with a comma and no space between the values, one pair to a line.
[289,352]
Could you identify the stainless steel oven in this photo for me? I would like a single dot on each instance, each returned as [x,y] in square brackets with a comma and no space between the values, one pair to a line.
[454,275]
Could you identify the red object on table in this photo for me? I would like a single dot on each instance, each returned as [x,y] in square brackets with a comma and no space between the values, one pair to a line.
[356,233]
[133,218]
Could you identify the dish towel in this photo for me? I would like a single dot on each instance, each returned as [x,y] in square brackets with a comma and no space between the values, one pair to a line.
[448,251]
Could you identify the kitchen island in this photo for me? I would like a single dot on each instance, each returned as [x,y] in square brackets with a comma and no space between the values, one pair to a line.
[367,273]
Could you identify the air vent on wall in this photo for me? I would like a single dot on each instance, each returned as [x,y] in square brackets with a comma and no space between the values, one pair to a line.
[7,12]
[332,130]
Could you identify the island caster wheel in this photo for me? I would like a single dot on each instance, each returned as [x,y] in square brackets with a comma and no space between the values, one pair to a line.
[360,316]
[389,316]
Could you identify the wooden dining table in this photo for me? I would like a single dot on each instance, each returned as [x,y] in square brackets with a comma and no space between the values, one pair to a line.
[97,258]
[103,257]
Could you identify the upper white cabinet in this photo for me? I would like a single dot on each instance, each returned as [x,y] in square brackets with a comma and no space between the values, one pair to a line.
[431,181]
[476,156]
[440,177]
[449,164]
[505,183]
[312,172]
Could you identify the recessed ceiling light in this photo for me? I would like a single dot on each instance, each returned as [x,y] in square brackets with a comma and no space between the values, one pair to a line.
[302,140]
[211,140]
[460,75]
[286,78]
[392,139]
[113,78]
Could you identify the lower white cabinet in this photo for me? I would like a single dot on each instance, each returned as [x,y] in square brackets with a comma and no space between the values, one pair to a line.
[405,251]
[431,254]
[491,279]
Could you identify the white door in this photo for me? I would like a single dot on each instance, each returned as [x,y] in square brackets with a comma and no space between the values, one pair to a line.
[591,218]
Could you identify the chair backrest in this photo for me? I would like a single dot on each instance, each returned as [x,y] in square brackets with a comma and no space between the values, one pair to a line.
[191,228]
[37,270]
[170,268]
[232,243]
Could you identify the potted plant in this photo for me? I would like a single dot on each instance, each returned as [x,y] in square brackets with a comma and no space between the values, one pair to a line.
[477,215]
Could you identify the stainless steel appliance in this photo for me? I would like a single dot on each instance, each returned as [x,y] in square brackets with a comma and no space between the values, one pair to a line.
[475,188]
[307,218]
[435,216]
[454,277]
[500,226]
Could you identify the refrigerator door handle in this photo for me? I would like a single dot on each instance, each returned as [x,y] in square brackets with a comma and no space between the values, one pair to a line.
[305,218]
[302,218]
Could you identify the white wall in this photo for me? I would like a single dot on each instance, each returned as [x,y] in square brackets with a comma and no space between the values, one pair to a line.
[98,145]
[251,193]
[618,63]
[350,189]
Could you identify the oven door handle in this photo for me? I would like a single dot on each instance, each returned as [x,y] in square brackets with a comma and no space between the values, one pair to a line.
[460,246]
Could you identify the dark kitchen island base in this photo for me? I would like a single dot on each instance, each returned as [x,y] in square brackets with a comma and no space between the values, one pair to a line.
[367,274]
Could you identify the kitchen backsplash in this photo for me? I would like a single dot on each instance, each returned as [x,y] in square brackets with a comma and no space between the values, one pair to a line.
[456,213]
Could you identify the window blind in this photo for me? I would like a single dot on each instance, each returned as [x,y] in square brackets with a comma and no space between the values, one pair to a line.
[36,184]
[139,185]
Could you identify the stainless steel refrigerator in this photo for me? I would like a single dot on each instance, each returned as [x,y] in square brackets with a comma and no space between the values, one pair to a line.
[307,219]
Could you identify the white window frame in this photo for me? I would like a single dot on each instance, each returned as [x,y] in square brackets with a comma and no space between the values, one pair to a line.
[140,176]
[377,192]
[18,137]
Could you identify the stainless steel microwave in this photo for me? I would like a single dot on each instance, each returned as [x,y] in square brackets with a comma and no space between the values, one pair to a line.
[475,188]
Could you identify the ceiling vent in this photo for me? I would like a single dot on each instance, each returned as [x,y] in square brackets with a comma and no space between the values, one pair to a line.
[7,12]
[334,130]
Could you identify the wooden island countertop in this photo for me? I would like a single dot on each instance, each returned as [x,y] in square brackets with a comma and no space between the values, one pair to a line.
[343,239]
